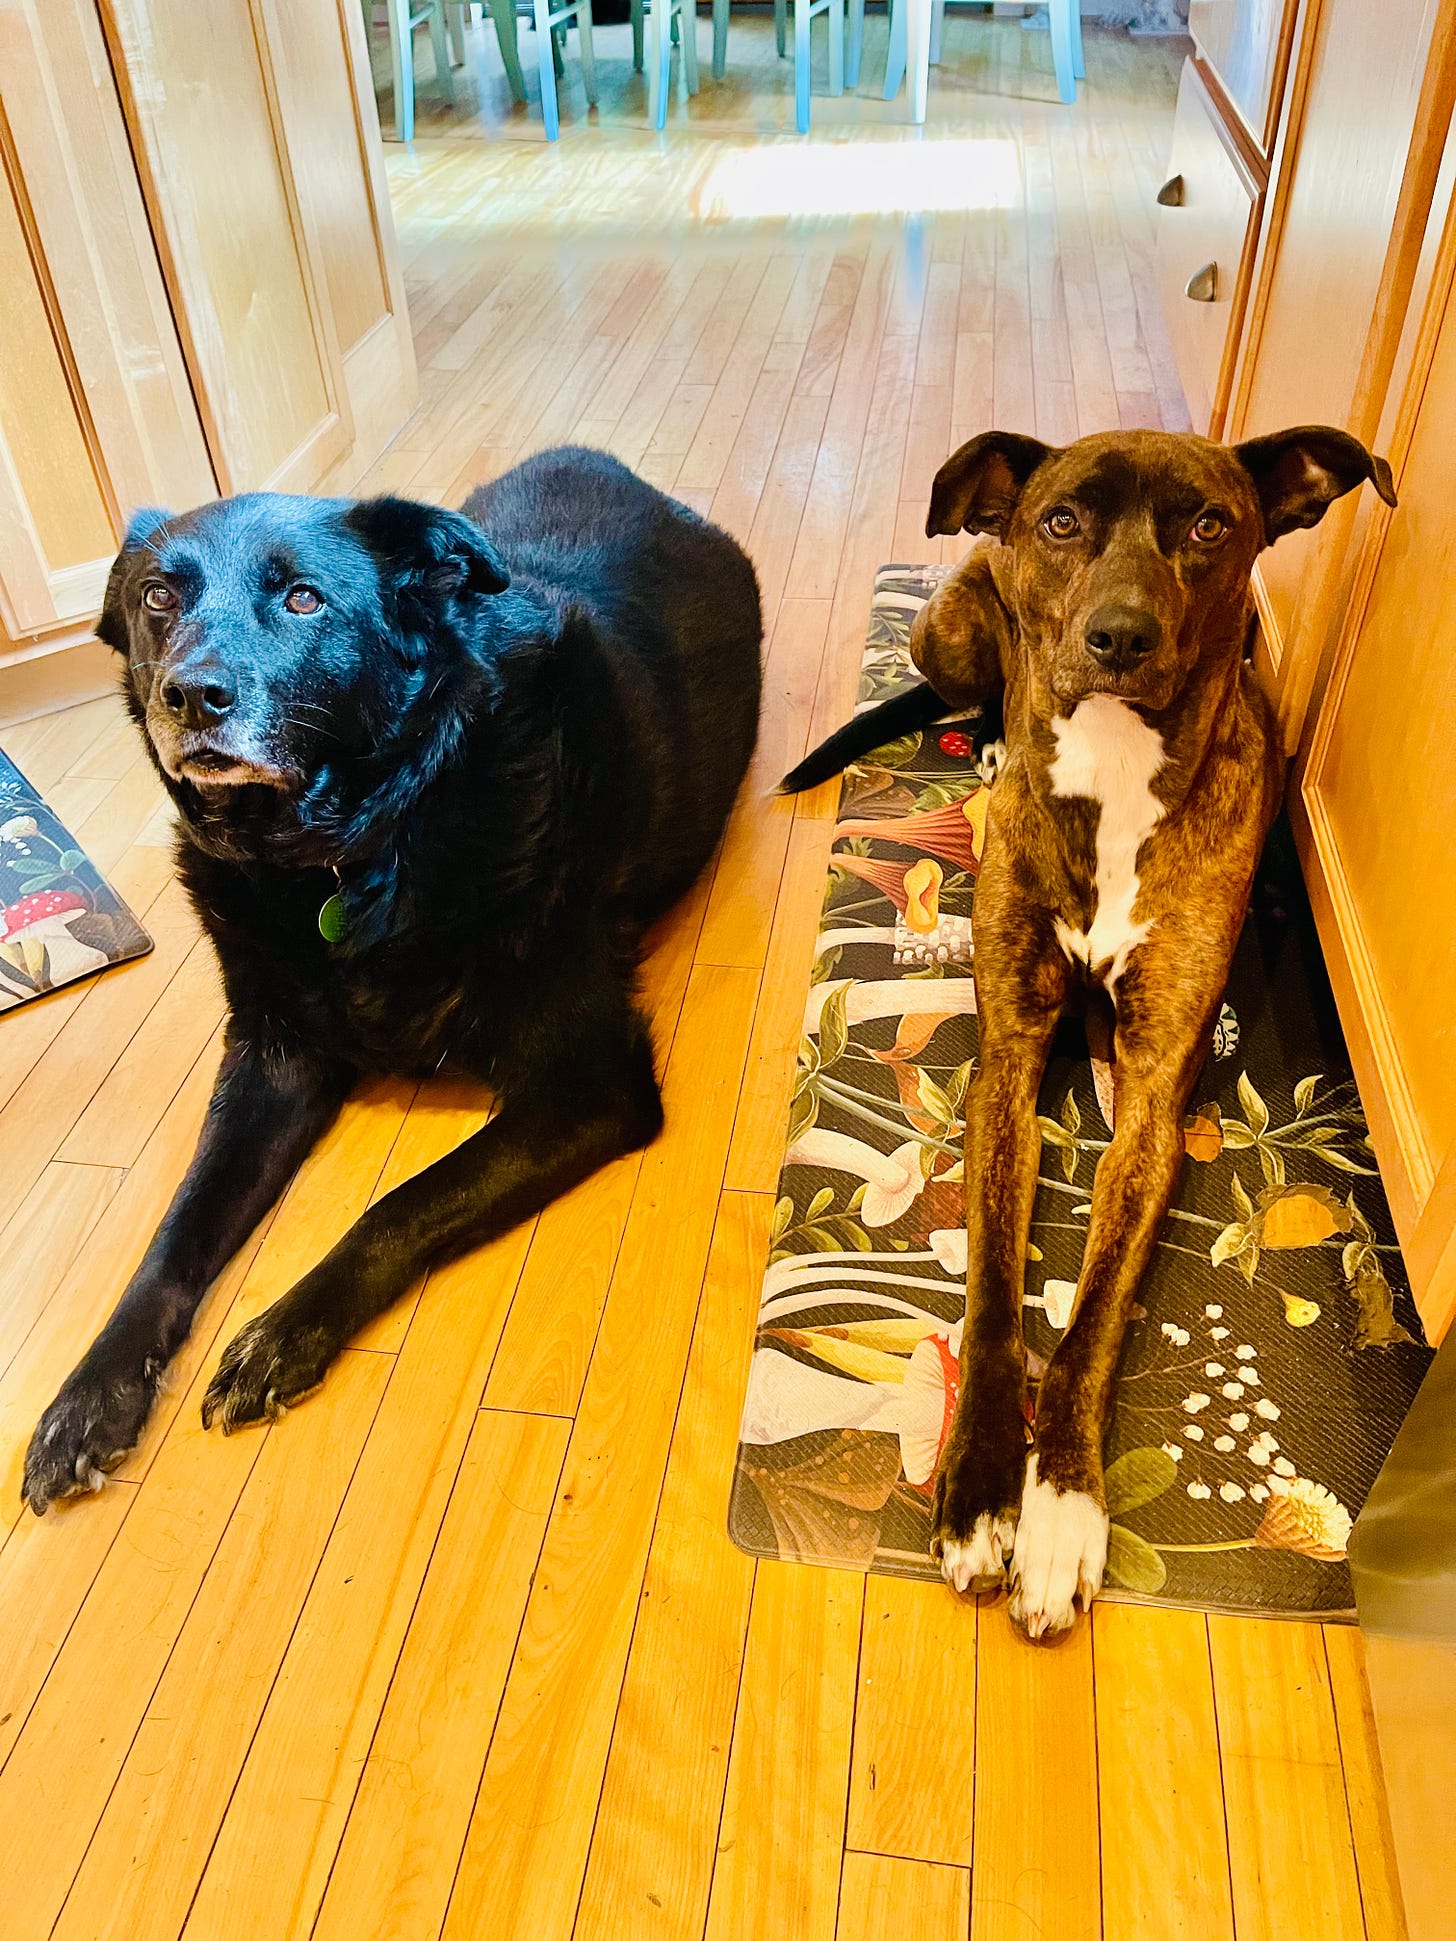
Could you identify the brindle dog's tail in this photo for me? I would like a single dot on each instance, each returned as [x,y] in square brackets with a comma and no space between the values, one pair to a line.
[902,714]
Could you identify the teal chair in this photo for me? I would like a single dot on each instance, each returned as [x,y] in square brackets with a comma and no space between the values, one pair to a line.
[676,20]
[444,19]
[1064,20]
[549,19]
[1064,17]
[805,13]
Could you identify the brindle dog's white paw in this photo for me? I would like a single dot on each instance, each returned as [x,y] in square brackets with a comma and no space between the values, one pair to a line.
[1061,1552]
[980,1563]
[992,761]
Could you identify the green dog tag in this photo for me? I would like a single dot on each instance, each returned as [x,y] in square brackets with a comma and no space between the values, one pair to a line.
[333,921]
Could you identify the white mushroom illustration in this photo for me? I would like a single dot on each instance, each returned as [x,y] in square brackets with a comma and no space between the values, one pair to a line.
[35,937]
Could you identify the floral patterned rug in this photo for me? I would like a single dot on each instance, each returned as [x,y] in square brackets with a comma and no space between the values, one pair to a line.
[58,919]
[1277,1348]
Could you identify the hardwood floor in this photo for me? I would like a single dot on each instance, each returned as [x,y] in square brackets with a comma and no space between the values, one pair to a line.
[460,1647]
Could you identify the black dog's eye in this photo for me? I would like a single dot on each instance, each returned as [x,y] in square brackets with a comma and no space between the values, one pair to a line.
[158,597]
[1209,528]
[1061,522]
[303,599]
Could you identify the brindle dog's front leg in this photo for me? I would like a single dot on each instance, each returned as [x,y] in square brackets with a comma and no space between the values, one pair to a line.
[1061,1539]
[978,1490]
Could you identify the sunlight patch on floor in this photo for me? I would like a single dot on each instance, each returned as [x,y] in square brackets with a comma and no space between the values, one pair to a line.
[856,178]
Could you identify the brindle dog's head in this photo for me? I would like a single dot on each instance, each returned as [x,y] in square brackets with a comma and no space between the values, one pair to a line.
[1127,554]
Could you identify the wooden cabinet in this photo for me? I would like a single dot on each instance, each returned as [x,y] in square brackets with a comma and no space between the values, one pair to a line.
[1206,228]
[1342,111]
[1323,264]
[198,287]
[1376,804]
[1245,45]
[96,411]
[1212,206]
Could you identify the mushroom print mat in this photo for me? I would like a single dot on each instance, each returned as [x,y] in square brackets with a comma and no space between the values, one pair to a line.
[58,919]
[1276,1348]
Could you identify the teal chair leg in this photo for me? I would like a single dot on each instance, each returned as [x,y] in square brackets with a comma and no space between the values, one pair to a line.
[440,42]
[1060,16]
[503,13]
[659,56]
[558,59]
[402,61]
[855,52]
[636,36]
[801,65]
[720,37]
[1079,65]
[546,67]
[896,51]
[586,51]
[836,46]
[781,25]
[688,25]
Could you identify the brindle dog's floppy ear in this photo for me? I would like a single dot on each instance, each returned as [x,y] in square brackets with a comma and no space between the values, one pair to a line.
[963,638]
[1299,474]
[141,528]
[439,552]
[977,487]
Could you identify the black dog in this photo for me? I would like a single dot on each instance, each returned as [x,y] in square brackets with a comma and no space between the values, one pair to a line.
[435,776]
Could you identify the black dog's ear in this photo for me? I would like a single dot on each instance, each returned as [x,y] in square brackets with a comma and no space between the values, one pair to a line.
[142,527]
[977,487]
[146,521]
[439,552]
[1299,474]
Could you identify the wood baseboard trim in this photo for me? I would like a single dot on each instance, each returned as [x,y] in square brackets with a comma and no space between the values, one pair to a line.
[59,676]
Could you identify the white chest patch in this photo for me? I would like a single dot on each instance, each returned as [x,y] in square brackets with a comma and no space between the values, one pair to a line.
[1109,755]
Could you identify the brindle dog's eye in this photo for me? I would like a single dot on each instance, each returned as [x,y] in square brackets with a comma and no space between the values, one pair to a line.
[1061,522]
[1209,528]
[158,597]
[303,599]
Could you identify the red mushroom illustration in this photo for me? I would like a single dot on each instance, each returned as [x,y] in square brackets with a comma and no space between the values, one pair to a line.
[36,939]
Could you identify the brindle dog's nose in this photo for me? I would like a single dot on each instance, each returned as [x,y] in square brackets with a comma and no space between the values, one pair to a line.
[199,693]
[1119,637]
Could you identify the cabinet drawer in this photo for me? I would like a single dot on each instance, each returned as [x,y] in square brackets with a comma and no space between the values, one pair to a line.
[1205,248]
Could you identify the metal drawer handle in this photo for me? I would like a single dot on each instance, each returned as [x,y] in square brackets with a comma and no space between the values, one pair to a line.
[1171,193]
[1202,286]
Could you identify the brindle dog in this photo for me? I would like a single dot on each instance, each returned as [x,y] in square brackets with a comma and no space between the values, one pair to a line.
[1141,773]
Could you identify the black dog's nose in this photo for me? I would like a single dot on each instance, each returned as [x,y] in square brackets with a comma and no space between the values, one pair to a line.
[1119,637]
[199,693]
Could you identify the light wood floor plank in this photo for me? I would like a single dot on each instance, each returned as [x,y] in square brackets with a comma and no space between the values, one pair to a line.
[526,1854]
[912,1788]
[657,1823]
[1037,1853]
[294,1794]
[777,1877]
[153,1838]
[38,1245]
[1380,1895]
[49,1101]
[1158,1773]
[901,1900]
[1290,1854]
[392,1877]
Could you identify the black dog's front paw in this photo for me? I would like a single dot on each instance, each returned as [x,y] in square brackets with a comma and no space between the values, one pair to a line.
[266,1367]
[92,1425]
